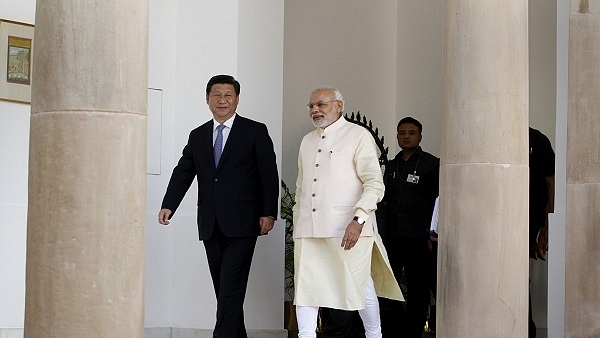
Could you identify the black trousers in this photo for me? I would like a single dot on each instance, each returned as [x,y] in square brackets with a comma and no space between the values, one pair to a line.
[412,256]
[341,324]
[229,260]
[531,325]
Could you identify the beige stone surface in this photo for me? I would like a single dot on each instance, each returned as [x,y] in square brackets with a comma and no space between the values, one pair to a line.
[582,235]
[583,130]
[485,82]
[584,6]
[87,171]
[86,243]
[582,271]
[483,244]
[95,54]
[483,257]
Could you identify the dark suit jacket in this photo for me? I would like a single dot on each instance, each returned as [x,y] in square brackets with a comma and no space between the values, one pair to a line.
[236,193]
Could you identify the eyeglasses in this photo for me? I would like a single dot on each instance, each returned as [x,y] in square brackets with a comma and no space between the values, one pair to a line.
[319,104]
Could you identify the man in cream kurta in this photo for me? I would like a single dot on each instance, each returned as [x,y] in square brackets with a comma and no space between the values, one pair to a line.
[339,259]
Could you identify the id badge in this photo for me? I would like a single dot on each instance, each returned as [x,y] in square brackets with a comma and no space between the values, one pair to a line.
[412,178]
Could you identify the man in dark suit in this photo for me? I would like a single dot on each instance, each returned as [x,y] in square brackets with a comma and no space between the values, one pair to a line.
[233,159]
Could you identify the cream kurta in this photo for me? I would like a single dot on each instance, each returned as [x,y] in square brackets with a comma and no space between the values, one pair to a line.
[339,177]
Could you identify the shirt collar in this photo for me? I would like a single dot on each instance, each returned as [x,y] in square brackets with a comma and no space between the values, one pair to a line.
[418,152]
[228,123]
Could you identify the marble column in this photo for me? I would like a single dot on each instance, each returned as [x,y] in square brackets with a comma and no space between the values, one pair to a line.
[87,170]
[483,246]
[582,234]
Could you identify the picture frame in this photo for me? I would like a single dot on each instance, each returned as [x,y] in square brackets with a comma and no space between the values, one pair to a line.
[16,60]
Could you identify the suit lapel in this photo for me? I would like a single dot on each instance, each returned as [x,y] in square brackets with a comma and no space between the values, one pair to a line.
[206,145]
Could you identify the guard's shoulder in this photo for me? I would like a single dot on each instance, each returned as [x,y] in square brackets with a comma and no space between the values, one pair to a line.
[430,157]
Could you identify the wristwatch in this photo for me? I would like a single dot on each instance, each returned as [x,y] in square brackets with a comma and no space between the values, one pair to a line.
[359,220]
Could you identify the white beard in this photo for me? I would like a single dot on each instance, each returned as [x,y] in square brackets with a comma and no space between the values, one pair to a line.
[321,123]
[324,122]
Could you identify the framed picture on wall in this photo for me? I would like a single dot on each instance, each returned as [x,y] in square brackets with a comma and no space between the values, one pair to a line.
[16,56]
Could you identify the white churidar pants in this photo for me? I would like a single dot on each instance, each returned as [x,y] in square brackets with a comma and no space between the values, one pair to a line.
[307,316]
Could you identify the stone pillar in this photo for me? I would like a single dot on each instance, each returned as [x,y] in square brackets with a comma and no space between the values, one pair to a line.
[87,170]
[483,253]
[582,271]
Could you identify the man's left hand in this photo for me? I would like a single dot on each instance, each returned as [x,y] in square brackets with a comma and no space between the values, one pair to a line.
[351,235]
[266,225]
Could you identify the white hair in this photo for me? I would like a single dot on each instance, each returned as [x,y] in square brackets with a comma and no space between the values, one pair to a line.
[336,94]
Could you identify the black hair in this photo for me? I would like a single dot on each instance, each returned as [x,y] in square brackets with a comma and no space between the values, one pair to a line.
[223,79]
[411,120]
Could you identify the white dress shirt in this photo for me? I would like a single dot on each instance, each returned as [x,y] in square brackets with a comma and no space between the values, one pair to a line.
[228,124]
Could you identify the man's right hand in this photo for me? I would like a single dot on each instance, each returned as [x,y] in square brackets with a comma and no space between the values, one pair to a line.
[541,246]
[432,239]
[163,216]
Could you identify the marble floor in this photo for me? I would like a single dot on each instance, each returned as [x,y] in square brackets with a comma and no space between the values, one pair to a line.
[541,333]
